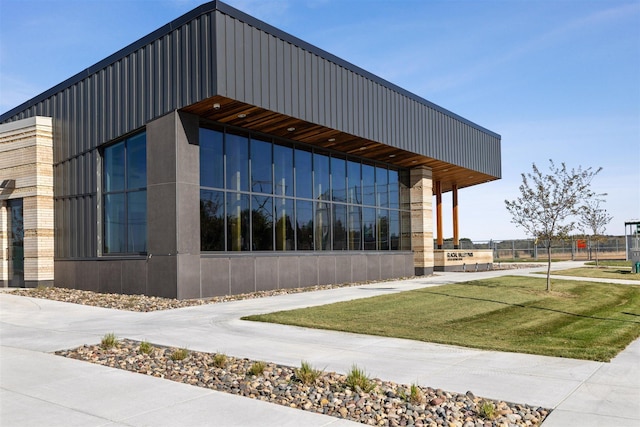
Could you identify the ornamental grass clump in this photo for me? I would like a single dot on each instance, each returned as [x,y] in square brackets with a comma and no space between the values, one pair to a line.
[145,347]
[358,379]
[306,374]
[487,410]
[257,368]
[108,341]
[416,395]
[220,360]
[179,354]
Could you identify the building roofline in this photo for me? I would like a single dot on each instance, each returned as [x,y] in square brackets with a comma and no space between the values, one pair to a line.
[217,5]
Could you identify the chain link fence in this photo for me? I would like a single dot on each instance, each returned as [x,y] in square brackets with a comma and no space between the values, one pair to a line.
[575,248]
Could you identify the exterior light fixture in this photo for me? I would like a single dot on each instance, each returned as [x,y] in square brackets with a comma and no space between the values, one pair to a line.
[392,155]
[364,147]
[8,184]
[216,106]
[242,115]
[331,139]
[291,129]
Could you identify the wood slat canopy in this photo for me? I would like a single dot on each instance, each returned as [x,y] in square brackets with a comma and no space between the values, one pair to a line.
[258,119]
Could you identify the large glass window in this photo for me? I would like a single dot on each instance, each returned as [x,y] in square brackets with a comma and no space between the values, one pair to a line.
[125,196]
[258,195]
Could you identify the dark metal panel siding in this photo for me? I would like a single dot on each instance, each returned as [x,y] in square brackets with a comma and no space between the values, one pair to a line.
[172,71]
[301,83]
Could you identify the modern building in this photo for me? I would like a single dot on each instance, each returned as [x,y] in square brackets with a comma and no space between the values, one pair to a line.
[220,155]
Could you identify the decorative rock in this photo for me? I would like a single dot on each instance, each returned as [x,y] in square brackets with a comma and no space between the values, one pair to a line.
[386,405]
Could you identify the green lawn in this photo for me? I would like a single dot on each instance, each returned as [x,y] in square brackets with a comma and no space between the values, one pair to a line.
[599,273]
[611,263]
[578,319]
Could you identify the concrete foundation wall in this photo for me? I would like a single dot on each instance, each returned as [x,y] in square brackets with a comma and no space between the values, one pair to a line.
[217,275]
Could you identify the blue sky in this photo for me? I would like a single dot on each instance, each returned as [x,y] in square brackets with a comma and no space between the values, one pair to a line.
[557,79]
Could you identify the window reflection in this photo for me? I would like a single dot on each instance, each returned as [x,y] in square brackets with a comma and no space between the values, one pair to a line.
[237,149]
[339,227]
[237,222]
[322,225]
[368,185]
[262,196]
[369,228]
[304,174]
[355,228]
[283,170]
[261,162]
[338,179]
[304,225]
[320,177]
[125,196]
[211,159]
[262,223]
[284,215]
[211,220]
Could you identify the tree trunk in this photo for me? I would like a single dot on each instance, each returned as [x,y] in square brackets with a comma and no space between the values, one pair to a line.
[549,267]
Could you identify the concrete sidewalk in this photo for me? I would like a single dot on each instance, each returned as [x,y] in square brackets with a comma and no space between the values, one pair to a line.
[38,388]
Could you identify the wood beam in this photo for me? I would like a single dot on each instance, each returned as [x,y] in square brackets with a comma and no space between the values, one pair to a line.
[456,237]
[439,237]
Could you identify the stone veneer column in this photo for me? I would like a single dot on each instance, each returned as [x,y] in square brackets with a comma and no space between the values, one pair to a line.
[26,156]
[421,195]
[173,206]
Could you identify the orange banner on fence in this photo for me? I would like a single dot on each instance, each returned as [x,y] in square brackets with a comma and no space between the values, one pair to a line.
[582,244]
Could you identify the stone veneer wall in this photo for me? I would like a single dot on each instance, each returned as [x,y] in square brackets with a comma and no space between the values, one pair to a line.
[26,156]
[421,195]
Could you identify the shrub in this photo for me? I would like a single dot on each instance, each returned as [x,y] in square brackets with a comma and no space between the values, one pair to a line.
[257,368]
[306,374]
[109,341]
[220,360]
[179,354]
[358,378]
[145,347]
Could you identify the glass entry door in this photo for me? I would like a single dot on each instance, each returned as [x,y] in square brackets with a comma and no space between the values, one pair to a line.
[16,243]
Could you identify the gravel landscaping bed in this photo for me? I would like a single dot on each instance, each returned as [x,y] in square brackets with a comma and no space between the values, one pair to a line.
[386,403]
[143,303]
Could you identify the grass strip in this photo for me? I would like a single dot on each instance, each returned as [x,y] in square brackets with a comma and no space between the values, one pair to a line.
[581,320]
[599,273]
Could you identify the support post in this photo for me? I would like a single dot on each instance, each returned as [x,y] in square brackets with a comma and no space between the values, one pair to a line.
[456,237]
[440,239]
[421,197]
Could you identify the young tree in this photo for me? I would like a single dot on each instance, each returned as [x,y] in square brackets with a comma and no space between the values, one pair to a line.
[548,202]
[594,220]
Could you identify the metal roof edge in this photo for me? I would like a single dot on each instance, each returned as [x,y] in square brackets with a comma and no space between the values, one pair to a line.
[217,5]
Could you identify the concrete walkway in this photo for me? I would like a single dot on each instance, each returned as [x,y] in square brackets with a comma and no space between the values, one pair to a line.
[37,388]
